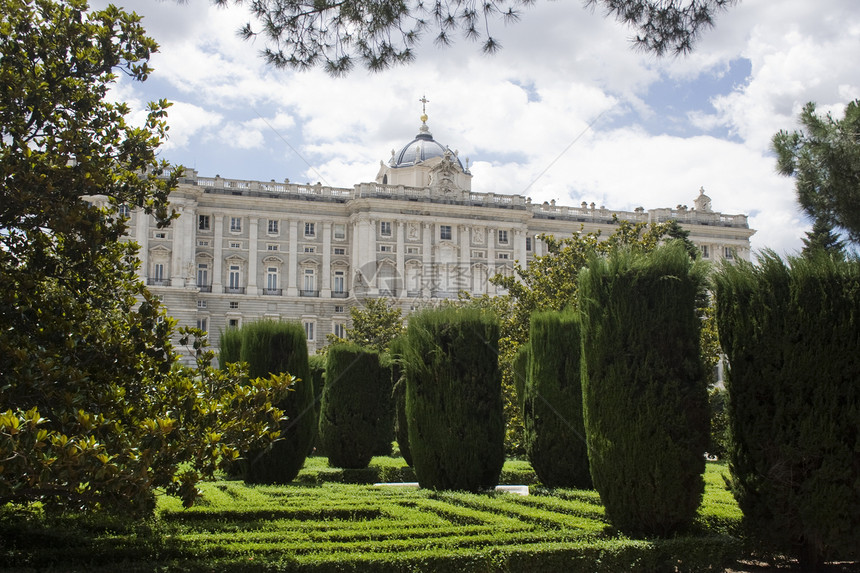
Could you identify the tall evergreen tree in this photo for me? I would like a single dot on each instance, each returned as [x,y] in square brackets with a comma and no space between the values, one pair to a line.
[454,399]
[823,238]
[791,332]
[644,386]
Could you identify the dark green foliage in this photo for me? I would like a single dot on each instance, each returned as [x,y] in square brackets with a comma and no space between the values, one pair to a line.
[520,371]
[644,387]
[279,347]
[231,347]
[355,405]
[791,332]
[398,378]
[316,364]
[385,435]
[552,408]
[453,399]
[718,446]
[822,237]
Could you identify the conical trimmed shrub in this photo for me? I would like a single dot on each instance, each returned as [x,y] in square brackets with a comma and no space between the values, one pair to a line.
[644,387]
[552,406]
[454,400]
[271,347]
[791,332]
[356,405]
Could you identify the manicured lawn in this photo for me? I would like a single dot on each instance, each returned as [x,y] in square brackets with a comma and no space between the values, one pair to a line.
[346,527]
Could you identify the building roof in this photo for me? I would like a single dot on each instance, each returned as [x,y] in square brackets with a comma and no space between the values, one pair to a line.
[420,149]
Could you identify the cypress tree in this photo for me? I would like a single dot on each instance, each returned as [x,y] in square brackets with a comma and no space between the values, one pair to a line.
[645,400]
[791,332]
[454,400]
[521,372]
[230,347]
[398,379]
[271,347]
[552,408]
[355,405]
[316,364]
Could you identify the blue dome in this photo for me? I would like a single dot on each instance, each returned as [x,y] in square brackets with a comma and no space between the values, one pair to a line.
[420,149]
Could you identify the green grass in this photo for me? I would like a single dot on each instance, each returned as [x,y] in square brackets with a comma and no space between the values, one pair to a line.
[344,527]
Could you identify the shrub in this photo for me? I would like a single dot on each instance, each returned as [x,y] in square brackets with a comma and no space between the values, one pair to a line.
[552,408]
[398,379]
[355,403]
[316,364]
[453,399]
[230,347]
[276,347]
[385,432]
[520,373]
[791,332]
[719,440]
[644,387]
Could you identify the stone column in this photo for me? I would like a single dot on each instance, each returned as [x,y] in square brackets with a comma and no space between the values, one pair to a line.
[218,255]
[491,258]
[400,259]
[520,246]
[325,280]
[292,258]
[253,235]
[142,234]
[464,275]
[427,260]
[177,272]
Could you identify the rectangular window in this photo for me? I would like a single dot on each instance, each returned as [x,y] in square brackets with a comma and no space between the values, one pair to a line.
[235,245]
[479,255]
[339,282]
[235,224]
[503,255]
[730,253]
[272,247]
[338,309]
[158,272]
[203,275]
[310,249]
[339,231]
[528,243]
[412,250]
[339,251]
[503,237]
[310,280]
[124,211]
[233,323]
[445,232]
[309,330]
[310,229]
[385,228]
[273,226]
[203,222]
[202,243]
[272,278]
[234,305]
[202,304]
[705,253]
[202,324]
[339,330]
[159,235]
[234,276]
[385,248]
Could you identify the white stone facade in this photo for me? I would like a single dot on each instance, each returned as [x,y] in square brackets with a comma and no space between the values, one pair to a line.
[245,250]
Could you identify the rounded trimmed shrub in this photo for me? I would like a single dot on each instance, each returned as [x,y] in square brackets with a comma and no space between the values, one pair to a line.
[645,398]
[355,405]
[454,399]
[271,347]
[791,332]
[552,406]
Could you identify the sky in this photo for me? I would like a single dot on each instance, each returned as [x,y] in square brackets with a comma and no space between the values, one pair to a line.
[566,110]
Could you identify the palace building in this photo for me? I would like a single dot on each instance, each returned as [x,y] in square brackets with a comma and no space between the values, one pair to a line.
[246,250]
